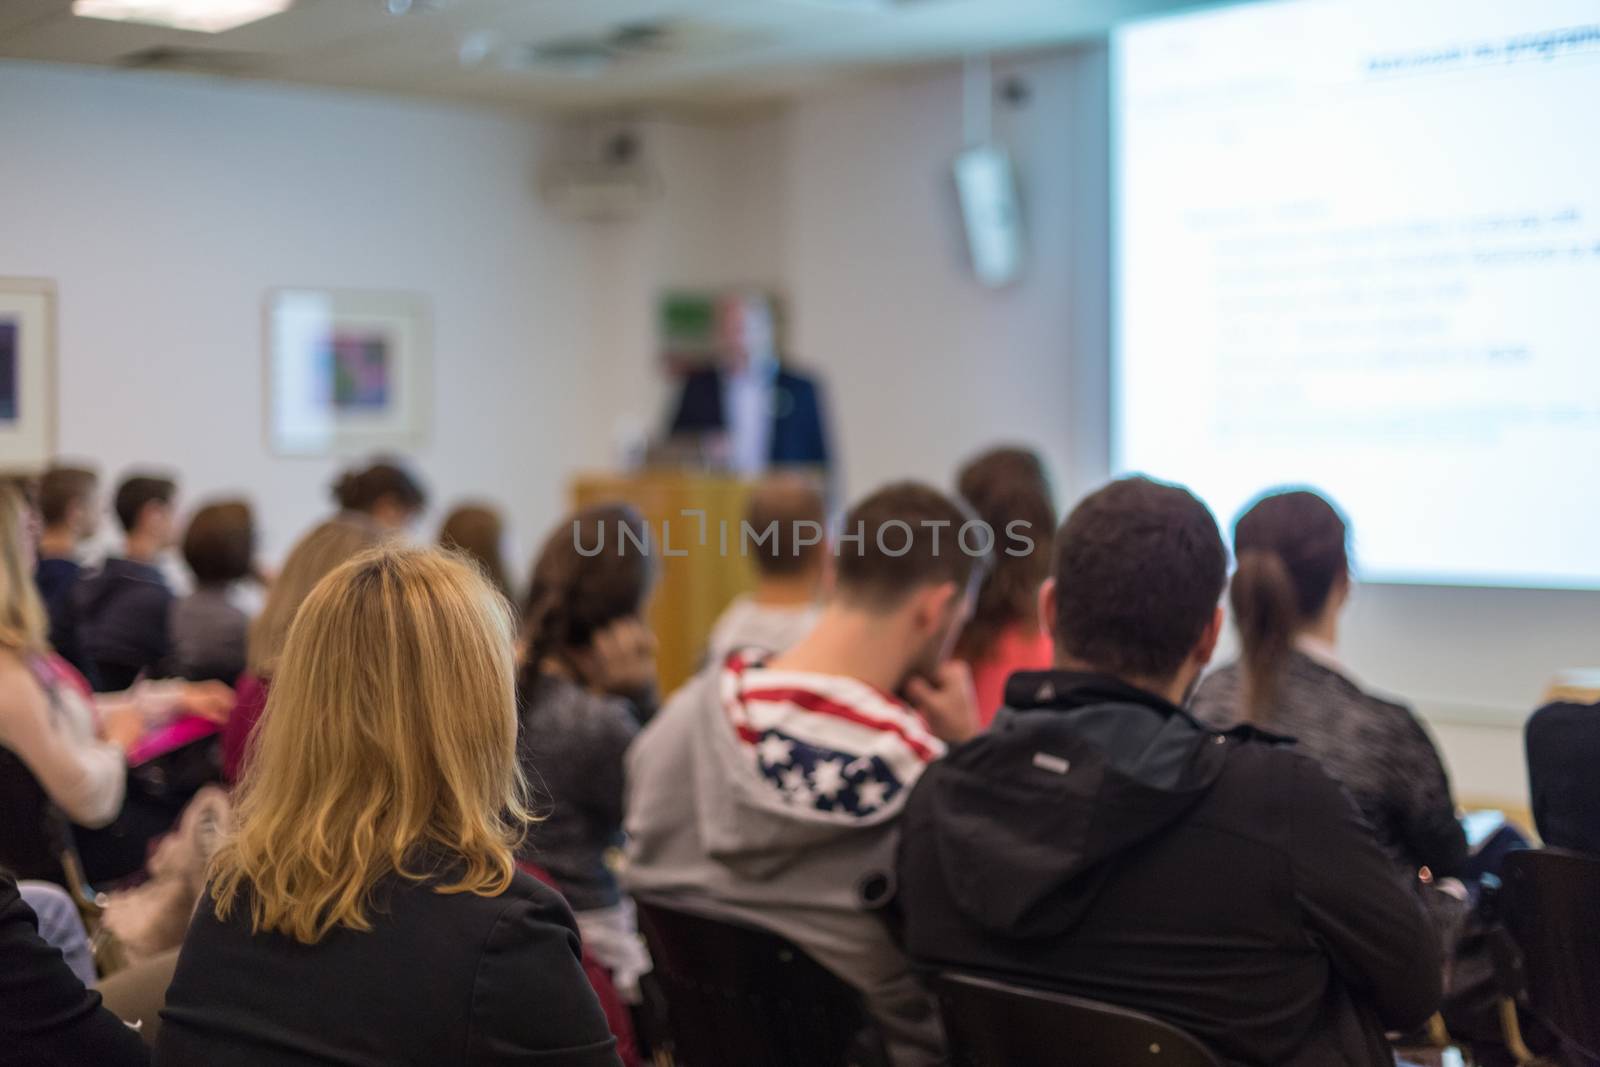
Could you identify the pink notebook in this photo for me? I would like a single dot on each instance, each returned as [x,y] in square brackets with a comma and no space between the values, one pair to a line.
[181,731]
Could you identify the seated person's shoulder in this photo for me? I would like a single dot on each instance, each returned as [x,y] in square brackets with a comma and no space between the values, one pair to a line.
[1265,778]
[680,710]
[1219,698]
[529,899]
[1563,722]
[565,712]
[1566,711]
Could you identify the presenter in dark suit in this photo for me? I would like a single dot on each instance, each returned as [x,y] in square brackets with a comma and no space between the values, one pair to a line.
[755,413]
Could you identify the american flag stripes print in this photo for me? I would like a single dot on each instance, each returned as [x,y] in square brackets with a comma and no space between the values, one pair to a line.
[837,747]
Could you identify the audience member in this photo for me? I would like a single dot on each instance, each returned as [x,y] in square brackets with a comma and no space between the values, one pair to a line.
[1098,841]
[122,608]
[770,790]
[61,747]
[1563,743]
[325,548]
[784,526]
[383,492]
[210,630]
[47,1016]
[1009,490]
[479,532]
[367,907]
[1292,582]
[587,682]
[71,516]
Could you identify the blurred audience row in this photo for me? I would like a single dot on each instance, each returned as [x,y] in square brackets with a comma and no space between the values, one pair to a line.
[390,819]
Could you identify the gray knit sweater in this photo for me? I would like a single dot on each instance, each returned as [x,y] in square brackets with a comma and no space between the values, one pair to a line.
[570,742]
[1375,748]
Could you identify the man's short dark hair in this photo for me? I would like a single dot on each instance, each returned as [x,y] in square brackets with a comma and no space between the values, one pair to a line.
[138,491]
[1140,567]
[220,543]
[905,536]
[62,487]
[783,504]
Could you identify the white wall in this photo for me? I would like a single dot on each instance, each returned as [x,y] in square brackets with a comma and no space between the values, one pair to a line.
[923,365]
[165,208]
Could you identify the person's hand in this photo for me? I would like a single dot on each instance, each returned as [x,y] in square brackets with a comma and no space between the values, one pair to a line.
[208,700]
[948,701]
[622,658]
[123,727]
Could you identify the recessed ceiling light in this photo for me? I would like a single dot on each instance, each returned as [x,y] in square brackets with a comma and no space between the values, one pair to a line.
[203,16]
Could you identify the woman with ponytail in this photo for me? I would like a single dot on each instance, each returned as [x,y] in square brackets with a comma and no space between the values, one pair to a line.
[1287,595]
[586,685]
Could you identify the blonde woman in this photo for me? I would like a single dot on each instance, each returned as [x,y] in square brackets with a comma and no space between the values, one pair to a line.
[327,546]
[62,748]
[367,908]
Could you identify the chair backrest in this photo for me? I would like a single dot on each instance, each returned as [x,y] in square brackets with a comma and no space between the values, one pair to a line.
[736,994]
[995,1024]
[1551,905]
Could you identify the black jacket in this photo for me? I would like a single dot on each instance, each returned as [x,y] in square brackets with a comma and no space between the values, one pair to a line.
[1564,775]
[440,980]
[122,621]
[47,1017]
[1100,842]
[798,436]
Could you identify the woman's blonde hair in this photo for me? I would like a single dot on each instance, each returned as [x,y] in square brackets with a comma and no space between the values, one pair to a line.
[388,746]
[23,624]
[317,553]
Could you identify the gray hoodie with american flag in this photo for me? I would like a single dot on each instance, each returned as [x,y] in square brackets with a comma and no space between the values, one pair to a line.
[774,797]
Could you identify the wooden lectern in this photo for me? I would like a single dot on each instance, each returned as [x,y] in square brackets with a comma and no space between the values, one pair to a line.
[694,520]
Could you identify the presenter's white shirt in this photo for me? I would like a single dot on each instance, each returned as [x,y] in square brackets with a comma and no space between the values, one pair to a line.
[747,403]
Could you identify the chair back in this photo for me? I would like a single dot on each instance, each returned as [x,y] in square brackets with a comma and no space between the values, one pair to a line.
[995,1024]
[1551,905]
[736,994]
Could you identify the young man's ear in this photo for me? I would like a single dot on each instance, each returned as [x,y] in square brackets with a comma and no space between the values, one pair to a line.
[933,604]
[1047,606]
[1208,640]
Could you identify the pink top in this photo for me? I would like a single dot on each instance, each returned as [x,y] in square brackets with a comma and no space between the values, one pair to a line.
[1014,650]
[250,700]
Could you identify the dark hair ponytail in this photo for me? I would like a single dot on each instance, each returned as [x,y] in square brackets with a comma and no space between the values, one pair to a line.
[1005,486]
[1264,612]
[1291,548]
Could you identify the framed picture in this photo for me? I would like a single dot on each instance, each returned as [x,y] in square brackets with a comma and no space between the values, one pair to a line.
[27,373]
[347,371]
